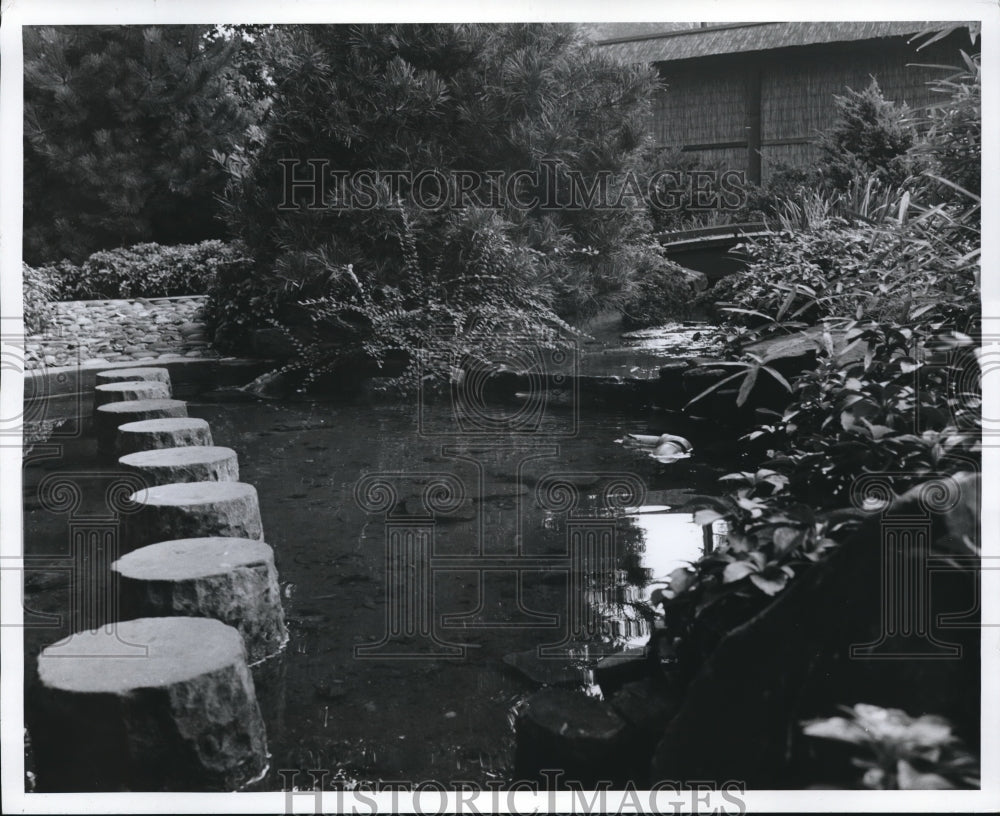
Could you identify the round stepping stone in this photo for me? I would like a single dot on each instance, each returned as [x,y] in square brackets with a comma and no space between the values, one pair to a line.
[198,463]
[151,374]
[152,434]
[192,510]
[584,737]
[231,579]
[108,417]
[129,390]
[182,717]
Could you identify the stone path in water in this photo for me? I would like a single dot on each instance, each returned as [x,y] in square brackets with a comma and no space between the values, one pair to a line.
[144,330]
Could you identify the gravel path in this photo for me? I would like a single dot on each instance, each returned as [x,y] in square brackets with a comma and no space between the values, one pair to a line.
[106,331]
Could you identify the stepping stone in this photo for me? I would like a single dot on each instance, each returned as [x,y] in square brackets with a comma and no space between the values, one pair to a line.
[130,390]
[231,579]
[584,737]
[150,373]
[108,417]
[182,717]
[198,463]
[152,434]
[192,510]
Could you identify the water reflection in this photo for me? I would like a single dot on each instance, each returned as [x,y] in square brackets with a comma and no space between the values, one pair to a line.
[670,539]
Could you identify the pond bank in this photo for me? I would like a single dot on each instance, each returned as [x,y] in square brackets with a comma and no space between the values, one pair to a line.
[97,332]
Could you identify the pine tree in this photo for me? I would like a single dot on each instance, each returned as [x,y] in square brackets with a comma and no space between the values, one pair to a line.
[430,97]
[119,127]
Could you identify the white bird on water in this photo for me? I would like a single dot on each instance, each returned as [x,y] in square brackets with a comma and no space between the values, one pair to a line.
[665,448]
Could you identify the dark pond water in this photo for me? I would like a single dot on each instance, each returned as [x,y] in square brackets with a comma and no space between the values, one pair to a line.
[523,544]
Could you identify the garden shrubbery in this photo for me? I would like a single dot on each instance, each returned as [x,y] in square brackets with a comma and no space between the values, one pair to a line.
[142,270]
[901,291]
[505,98]
[38,289]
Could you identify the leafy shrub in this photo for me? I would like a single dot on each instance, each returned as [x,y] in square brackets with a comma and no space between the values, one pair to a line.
[145,270]
[896,751]
[661,291]
[871,135]
[468,293]
[113,156]
[900,289]
[498,98]
[953,129]
[39,289]
[667,178]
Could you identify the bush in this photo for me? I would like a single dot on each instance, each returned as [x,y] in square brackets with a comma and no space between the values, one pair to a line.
[903,288]
[953,140]
[39,289]
[871,136]
[145,270]
[120,122]
[441,98]
[662,291]
[844,267]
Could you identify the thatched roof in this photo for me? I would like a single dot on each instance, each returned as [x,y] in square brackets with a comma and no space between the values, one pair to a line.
[732,38]
[604,32]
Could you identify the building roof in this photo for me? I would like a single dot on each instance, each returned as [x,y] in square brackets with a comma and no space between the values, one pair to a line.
[733,38]
[604,32]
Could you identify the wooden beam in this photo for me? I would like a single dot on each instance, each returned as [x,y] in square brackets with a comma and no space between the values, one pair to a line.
[753,123]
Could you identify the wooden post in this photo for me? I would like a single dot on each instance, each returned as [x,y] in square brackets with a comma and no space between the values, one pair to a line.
[753,126]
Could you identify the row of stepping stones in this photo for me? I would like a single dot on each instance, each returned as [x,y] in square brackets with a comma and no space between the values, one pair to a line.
[163,699]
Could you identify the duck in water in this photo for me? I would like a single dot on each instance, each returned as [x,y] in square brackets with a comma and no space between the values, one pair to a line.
[666,448]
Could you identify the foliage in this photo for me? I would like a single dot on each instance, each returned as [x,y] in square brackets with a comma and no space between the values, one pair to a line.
[871,136]
[144,270]
[469,294]
[895,389]
[953,128]
[119,126]
[669,180]
[499,98]
[38,289]
[661,291]
[899,752]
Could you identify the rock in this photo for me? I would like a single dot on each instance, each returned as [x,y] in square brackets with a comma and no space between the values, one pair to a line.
[125,391]
[108,417]
[184,717]
[613,671]
[577,734]
[647,706]
[192,463]
[152,434]
[545,671]
[192,510]
[230,579]
[695,279]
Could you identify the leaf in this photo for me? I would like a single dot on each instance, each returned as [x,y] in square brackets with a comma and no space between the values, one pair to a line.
[785,538]
[737,542]
[779,377]
[737,570]
[911,779]
[836,728]
[680,579]
[706,516]
[713,387]
[747,386]
[770,582]
[847,420]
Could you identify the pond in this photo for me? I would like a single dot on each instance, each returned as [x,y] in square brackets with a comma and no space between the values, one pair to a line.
[544,539]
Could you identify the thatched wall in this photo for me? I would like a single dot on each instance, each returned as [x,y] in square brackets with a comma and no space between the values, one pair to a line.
[707,104]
